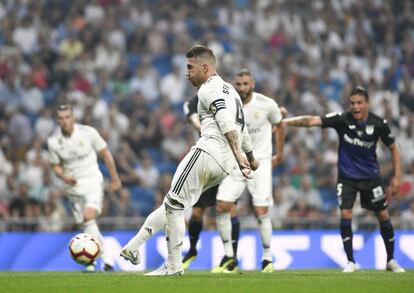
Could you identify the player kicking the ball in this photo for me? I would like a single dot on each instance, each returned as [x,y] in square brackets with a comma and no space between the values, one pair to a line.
[223,136]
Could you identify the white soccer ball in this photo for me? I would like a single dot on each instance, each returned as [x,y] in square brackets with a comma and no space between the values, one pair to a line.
[84,249]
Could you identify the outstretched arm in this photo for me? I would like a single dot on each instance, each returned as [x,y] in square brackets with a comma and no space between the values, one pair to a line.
[303,121]
[106,155]
[395,184]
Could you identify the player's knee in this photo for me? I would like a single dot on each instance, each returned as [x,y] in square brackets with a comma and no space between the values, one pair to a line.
[346,214]
[197,214]
[383,215]
[172,204]
[223,207]
[89,214]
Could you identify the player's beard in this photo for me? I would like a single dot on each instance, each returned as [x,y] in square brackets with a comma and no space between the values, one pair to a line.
[245,95]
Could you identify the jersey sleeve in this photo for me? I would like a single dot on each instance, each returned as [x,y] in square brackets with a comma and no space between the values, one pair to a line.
[52,155]
[98,143]
[213,100]
[385,133]
[190,107]
[332,120]
[274,116]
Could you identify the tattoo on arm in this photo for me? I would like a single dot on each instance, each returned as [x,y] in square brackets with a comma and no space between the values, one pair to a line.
[232,138]
[250,156]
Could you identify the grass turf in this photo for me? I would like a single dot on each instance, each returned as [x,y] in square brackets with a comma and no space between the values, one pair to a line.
[203,281]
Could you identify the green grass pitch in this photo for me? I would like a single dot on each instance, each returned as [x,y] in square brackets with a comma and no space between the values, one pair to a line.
[202,281]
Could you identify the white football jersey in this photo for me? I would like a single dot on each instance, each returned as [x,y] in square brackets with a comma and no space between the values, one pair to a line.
[260,114]
[78,155]
[214,95]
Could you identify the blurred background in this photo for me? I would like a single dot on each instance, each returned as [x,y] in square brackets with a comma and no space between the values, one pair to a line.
[122,65]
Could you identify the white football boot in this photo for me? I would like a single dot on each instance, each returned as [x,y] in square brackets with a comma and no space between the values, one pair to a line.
[132,256]
[165,271]
[351,267]
[394,267]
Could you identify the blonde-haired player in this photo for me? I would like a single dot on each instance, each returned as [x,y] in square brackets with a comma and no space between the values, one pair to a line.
[73,150]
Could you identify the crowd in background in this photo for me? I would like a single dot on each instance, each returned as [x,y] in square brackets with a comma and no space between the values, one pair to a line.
[121,63]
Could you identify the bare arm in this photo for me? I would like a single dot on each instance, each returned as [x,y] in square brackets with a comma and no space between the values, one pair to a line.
[303,121]
[244,165]
[106,155]
[195,121]
[395,184]
[60,172]
[279,145]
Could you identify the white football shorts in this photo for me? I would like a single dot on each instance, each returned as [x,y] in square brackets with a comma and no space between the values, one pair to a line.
[90,194]
[259,187]
[197,172]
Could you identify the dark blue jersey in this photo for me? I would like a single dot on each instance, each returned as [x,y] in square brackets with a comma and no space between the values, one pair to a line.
[190,107]
[357,158]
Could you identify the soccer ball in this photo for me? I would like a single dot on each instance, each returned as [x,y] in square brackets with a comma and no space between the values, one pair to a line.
[84,249]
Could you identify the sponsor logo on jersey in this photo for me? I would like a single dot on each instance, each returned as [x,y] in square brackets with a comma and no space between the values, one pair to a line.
[358,142]
[369,129]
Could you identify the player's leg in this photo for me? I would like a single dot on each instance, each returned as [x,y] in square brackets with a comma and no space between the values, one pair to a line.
[235,229]
[346,193]
[207,199]
[92,209]
[91,227]
[260,188]
[224,225]
[154,223]
[196,172]
[194,229]
[78,207]
[374,199]
[387,233]
[266,230]
[228,192]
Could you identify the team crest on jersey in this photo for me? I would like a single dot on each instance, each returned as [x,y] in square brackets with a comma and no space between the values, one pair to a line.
[351,127]
[256,115]
[360,132]
[81,144]
[213,109]
[60,141]
[369,129]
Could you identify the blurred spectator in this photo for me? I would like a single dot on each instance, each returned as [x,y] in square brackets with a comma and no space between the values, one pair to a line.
[122,65]
[147,172]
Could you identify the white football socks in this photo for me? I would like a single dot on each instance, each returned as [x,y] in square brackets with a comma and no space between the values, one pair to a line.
[224,229]
[174,232]
[154,223]
[265,228]
[90,227]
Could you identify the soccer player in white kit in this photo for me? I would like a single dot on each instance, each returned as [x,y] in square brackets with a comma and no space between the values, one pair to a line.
[223,135]
[261,115]
[73,150]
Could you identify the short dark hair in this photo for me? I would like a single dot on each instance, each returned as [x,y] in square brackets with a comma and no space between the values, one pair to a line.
[359,91]
[200,51]
[243,72]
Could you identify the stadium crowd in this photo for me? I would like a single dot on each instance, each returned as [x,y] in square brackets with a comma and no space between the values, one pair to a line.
[121,64]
